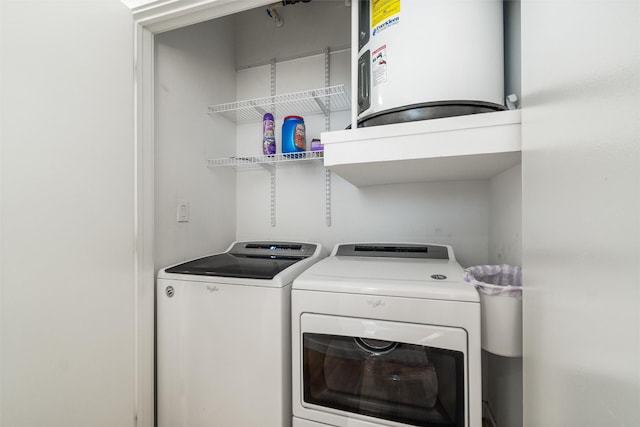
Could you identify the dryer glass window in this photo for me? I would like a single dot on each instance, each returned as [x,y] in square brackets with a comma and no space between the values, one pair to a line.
[405,383]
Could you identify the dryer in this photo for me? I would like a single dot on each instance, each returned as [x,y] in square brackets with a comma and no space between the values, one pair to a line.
[224,336]
[386,335]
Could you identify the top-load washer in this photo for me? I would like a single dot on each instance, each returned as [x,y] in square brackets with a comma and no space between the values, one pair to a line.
[224,336]
[386,335]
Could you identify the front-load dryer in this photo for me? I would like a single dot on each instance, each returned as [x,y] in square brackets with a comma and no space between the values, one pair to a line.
[224,336]
[386,335]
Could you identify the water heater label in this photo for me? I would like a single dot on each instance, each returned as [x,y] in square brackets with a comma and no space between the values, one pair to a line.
[382,10]
[379,65]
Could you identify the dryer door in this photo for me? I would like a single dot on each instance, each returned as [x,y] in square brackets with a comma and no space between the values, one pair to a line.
[404,373]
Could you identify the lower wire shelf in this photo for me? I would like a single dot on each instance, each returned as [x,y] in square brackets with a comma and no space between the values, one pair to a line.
[266,161]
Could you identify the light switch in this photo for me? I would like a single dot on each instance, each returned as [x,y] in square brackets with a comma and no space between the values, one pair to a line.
[183,211]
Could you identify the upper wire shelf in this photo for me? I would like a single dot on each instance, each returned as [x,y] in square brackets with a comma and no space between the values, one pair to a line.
[314,101]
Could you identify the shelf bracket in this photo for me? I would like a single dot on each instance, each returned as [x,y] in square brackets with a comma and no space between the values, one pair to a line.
[259,109]
[327,126]
[272,168]
[327,195]
[321,105]
[273,196]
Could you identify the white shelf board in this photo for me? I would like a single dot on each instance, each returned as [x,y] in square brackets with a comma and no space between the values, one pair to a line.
[471,147]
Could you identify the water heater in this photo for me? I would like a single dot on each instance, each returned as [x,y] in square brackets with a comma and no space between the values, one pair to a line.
[422,59]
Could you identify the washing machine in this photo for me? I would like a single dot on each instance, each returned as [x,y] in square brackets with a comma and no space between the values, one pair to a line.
[386,335]
[224,336]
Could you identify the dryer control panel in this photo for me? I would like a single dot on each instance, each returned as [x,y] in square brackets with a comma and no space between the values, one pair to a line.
[381,250]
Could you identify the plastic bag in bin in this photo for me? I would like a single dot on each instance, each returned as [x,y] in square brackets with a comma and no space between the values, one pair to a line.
[495,279]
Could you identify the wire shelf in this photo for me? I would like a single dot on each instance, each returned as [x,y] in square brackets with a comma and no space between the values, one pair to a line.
[266,161]
[314,101]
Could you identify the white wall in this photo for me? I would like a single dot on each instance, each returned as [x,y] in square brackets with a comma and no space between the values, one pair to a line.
[453,213]
[505,225]
[503,375]
[195,68]
[308,27]
[67,248]
[581,213]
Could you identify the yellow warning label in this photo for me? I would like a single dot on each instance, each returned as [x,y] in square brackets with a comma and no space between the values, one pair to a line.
[383,9]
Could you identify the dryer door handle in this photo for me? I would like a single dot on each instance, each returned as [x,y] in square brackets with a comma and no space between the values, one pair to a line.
[376,347]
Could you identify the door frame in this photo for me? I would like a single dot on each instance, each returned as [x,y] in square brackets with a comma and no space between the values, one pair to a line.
[151,18]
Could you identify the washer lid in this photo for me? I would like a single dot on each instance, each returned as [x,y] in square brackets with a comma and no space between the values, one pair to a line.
[249,260]
[231,265]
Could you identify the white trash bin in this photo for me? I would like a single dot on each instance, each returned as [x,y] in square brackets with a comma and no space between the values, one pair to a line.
[500,289]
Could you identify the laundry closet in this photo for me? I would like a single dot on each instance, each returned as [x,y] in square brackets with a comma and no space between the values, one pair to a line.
[213,82]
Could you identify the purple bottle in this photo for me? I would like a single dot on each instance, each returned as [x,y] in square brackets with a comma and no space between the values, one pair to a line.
[268,135]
